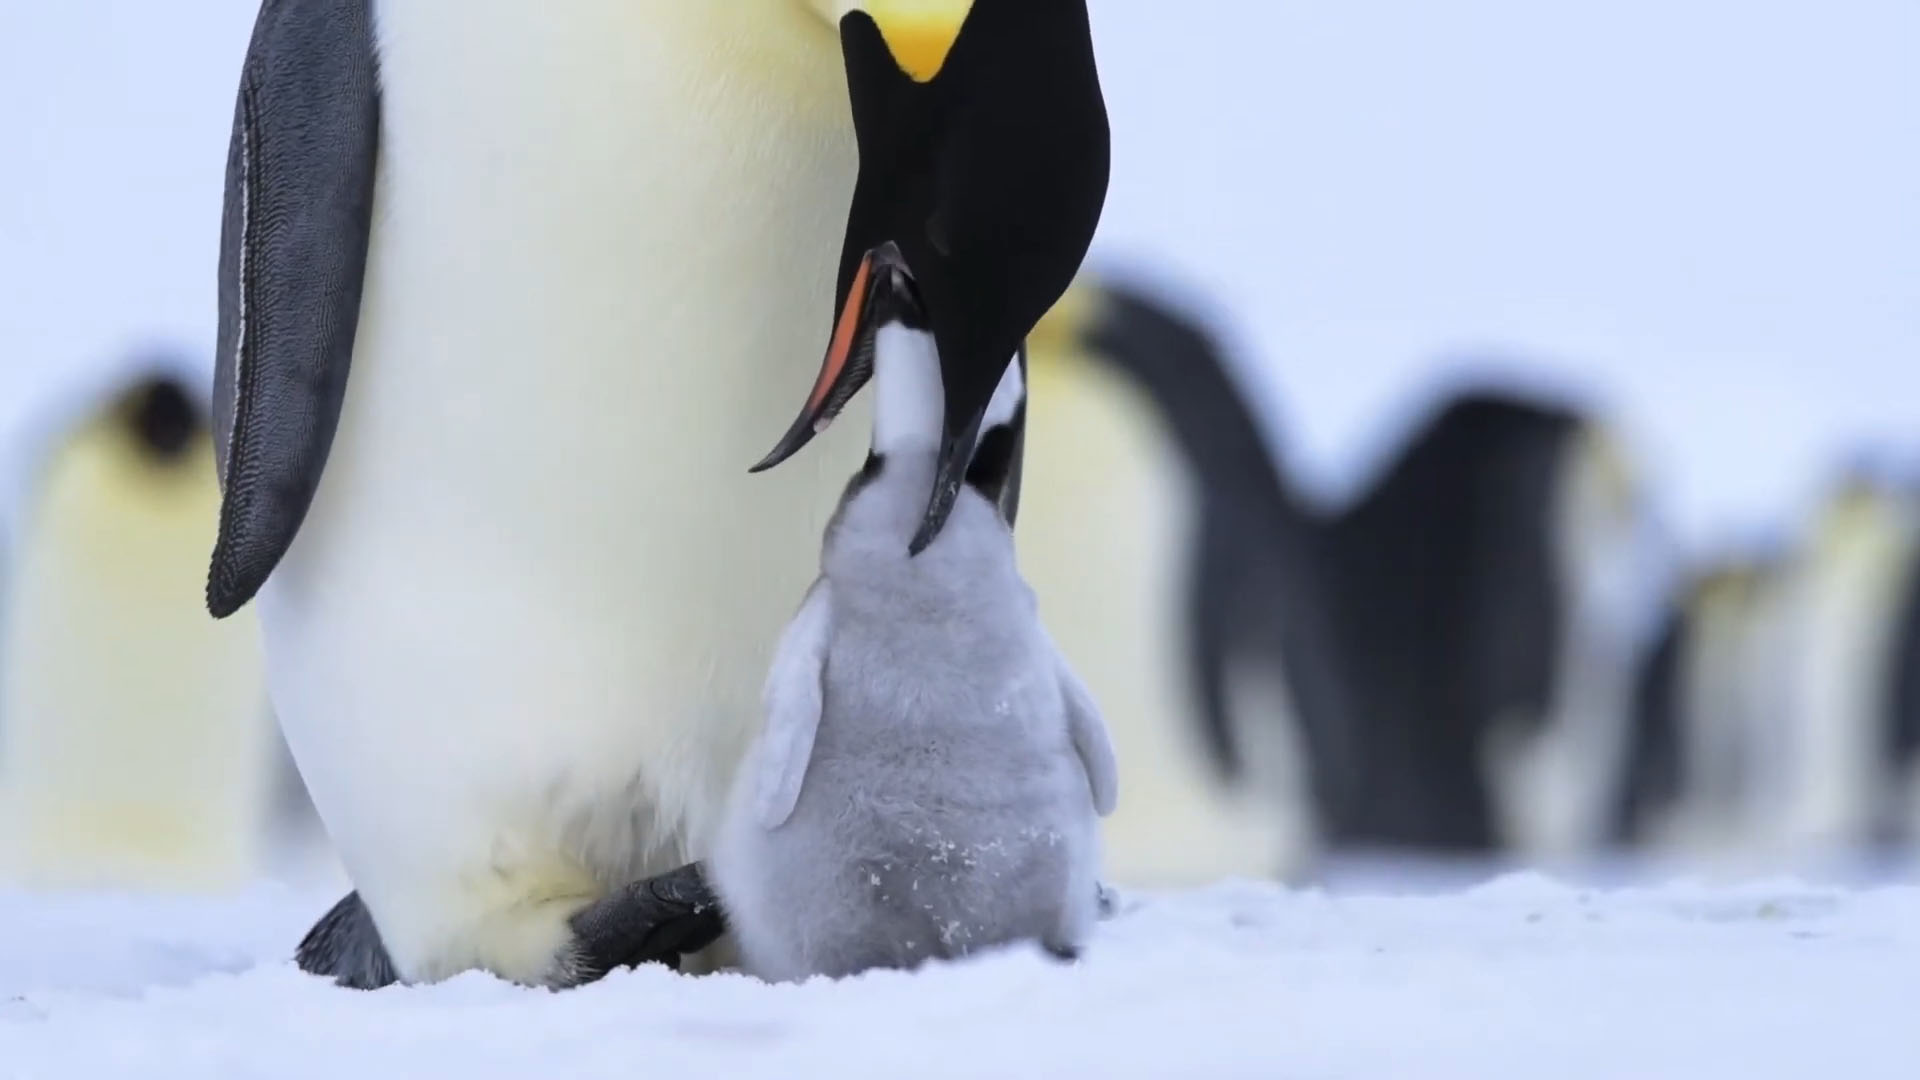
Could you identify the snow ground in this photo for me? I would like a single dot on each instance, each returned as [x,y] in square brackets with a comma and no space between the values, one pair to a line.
[1521,977]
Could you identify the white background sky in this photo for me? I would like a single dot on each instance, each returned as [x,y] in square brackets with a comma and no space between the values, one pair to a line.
[1705,212]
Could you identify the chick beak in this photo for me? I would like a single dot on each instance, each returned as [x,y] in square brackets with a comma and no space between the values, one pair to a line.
[968,385]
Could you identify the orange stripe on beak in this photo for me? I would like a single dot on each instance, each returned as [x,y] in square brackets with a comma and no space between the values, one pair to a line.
[840,348]
[845,329]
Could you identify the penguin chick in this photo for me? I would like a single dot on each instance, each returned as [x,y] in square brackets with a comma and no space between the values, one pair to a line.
[931,773]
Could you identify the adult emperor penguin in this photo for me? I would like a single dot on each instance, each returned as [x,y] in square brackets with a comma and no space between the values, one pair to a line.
[1321,647]
[136,747]
[1192,612]
[1711,707]
[531,283]
[1487,594]
[1768,727]
[1896,782]
[1838,778]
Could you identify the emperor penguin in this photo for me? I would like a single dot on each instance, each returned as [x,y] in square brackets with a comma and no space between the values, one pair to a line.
[1841,775]
[1313,644]
[1896,778]
[931,773]
[518,673]
[1711,707]
[1768,727]
[1488,594]
[136,746]
[1192,611]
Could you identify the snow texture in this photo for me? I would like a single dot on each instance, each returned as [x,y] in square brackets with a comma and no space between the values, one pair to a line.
[1521,977]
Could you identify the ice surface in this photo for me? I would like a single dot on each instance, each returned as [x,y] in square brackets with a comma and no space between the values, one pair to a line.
[1523,977]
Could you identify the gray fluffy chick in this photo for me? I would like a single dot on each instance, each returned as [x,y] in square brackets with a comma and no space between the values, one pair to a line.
[931,773]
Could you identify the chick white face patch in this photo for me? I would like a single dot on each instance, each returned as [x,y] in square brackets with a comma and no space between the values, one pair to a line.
[908,398]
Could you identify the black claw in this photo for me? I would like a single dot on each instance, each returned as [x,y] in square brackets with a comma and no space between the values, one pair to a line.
[345,946]
[653,921]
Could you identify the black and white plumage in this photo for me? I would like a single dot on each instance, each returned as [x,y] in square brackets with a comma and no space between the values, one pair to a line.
[507,291]
[1191,609]
[1710,707]
[1433,643]
[1255,593]
[1441,584]
[1771,723]
[1897,780]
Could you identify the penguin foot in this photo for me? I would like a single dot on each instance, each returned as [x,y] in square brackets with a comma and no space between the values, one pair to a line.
[656,920]
[1066,954]
[1109,900]
[345,946]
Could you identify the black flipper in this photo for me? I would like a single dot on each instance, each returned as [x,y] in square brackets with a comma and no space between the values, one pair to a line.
[1899,749]
[293,251]
[345,946]
[1255,595]
[1651,778]
[1210,620]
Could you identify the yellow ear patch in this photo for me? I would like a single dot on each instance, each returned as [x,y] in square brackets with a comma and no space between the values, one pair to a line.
[1610,468]
[1064,327]
[919,33]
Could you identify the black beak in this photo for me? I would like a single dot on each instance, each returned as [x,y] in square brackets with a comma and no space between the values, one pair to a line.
[882,292]
[968,388]
[983,167]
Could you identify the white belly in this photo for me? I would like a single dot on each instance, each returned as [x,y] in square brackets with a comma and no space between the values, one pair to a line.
[134,737]
[1553,784]
[518,645]
[1825,786]
[1106,513]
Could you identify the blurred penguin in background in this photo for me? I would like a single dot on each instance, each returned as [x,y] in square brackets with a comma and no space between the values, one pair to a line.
[1896,781]
[1770,723]
[1169,551]
[1441,667]
[136,745]
[1710,707]
[1489,595]
[1836,776]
